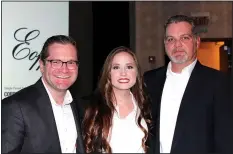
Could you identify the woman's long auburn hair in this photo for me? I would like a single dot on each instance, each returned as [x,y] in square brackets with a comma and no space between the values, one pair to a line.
[98,116]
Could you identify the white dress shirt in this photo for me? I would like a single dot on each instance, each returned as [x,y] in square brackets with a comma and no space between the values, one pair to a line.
[173,91]
[126,136]
[65,122]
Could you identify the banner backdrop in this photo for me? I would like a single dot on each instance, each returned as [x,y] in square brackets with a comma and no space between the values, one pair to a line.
[25,28]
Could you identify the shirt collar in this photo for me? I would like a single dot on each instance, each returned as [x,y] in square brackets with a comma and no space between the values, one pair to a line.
[187,70]
[67,99]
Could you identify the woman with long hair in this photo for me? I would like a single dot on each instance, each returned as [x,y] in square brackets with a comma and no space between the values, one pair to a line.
[118,117]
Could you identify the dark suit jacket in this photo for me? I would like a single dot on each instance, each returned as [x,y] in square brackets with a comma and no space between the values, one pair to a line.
[204,122]
[28,123]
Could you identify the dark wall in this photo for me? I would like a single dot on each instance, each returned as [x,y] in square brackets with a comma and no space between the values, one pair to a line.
[110,29]
[98,27]
[231,63]
[81,29]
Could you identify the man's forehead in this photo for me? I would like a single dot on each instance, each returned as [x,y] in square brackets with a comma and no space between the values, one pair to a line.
[59,49]
[178,29]
[179,25]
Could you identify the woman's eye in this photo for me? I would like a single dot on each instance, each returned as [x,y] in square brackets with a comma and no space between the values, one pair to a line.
[130,67]
[115,67]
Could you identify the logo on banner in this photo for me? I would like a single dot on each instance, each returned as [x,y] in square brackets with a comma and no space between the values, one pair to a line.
[22,50]
[22,40]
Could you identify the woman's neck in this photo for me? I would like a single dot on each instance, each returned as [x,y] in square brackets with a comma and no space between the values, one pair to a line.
[122,97]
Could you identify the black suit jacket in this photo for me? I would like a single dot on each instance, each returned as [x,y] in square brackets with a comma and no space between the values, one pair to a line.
[205,121]
[28,124]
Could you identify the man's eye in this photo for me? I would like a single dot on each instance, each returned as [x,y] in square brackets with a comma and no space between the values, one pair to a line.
[56,62]
[170,39]
[71,62]
[185,38]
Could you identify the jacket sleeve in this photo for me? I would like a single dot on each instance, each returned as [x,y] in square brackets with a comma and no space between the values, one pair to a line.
[12,127]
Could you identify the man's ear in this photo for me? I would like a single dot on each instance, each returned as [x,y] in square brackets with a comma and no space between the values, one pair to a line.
[198,41]
[42,65]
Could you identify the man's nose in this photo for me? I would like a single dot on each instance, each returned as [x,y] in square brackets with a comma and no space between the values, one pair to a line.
[178,43]
[64,67]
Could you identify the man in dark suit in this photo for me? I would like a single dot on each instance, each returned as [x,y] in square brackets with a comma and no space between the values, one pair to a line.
[191,104]
[44,118]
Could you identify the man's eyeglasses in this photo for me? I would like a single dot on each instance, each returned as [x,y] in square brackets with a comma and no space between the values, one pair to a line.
[56,64]
[183,38]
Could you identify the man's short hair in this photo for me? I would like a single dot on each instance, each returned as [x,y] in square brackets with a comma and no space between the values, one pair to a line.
[181,18]
[62,39]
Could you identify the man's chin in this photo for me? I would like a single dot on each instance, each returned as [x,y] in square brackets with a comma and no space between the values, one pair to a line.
[62,88]
[179,60]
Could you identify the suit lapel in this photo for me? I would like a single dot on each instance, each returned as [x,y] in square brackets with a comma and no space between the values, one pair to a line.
[79,141]
[46,112]
[190,93]
[156,94]
[161,86]
[155,91]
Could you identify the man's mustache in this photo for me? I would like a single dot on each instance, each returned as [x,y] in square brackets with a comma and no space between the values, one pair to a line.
[178,50]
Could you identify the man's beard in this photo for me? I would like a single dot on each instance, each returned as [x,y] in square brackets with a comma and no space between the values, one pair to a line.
[178,59]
